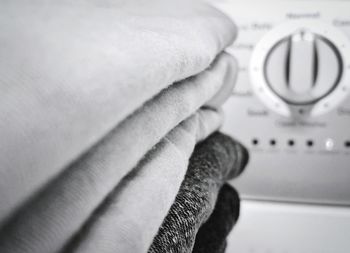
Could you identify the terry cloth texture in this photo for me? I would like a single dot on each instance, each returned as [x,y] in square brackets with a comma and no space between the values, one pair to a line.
[211,237]
[87,109]
[214,161]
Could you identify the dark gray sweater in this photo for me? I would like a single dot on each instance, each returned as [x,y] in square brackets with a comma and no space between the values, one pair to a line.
[213,162]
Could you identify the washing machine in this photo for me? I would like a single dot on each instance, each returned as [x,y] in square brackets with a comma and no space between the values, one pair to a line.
[291,108]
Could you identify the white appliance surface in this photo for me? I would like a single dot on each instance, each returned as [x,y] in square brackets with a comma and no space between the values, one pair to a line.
[289,228]
[291,108]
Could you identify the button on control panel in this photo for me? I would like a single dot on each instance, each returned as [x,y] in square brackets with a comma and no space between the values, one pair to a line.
[291,103]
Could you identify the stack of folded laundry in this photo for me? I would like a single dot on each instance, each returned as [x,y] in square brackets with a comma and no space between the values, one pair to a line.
[102,104]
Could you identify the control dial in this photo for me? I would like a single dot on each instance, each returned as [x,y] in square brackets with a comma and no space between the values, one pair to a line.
[301,66]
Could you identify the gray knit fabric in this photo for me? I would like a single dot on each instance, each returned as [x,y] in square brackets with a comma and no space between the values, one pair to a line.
[211,237]
[214,161]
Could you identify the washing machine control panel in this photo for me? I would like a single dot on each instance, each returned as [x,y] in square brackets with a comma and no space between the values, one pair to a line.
[291,103]
[297,69]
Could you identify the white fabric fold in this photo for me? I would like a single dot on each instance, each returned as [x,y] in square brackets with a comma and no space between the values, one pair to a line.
[71,71]
[59,211]
[109,230]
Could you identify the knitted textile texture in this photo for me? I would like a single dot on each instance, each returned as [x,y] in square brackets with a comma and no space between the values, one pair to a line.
[211,237]
[214,161]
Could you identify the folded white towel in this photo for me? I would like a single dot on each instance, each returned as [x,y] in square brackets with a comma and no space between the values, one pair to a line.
[88,91]
[165,166]
[70,72]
